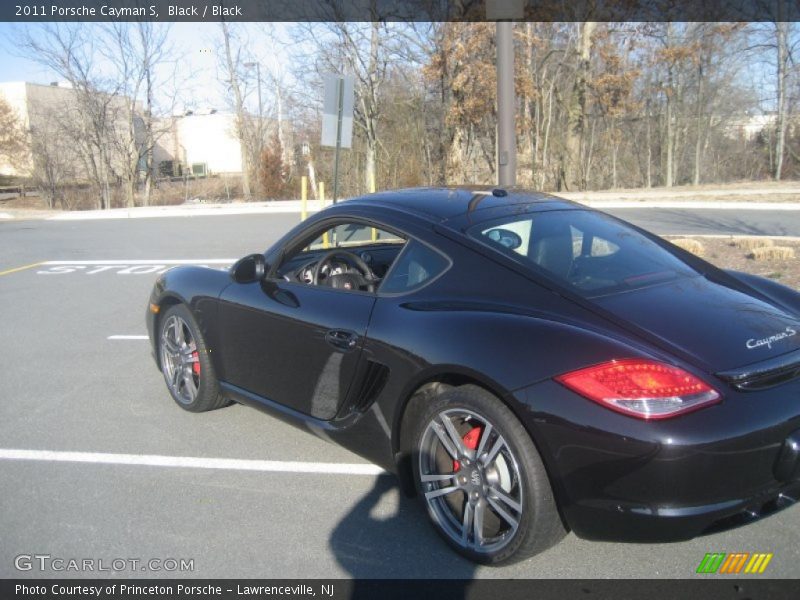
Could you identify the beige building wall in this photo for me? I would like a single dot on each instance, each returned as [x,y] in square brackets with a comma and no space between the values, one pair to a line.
[207,137]
[46,110]
[15,94]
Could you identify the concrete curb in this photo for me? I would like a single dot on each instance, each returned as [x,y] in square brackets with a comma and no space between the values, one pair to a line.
[294,206]
[654,193]
[693,205]
[191,210]
[729,236]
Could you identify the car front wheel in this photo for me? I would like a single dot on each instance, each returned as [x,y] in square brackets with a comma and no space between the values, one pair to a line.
[482,480]
[185,363]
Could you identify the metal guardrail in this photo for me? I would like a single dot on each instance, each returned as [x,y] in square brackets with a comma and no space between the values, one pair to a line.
[9,192]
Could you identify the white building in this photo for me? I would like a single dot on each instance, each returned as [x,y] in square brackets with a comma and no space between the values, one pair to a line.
[208,138]
[750,126]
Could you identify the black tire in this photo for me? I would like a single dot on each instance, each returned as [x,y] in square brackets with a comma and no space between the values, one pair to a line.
[513,474]
[194,388]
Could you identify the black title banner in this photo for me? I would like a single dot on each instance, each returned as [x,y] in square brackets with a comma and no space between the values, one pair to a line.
[400,10]
[538,589]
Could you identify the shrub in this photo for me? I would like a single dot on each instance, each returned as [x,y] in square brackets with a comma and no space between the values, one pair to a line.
[690,245]
[751,243]
[772,253]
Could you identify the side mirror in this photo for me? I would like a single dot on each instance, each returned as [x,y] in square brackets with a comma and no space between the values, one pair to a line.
[250,269]
[505,237]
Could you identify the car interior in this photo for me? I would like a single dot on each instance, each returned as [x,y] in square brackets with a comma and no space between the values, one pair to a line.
[588,252]
[354,256]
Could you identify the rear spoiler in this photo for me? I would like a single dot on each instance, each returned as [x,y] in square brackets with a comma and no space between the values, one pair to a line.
[764,374]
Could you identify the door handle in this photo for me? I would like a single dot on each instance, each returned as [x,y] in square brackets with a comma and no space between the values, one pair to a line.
[342,339]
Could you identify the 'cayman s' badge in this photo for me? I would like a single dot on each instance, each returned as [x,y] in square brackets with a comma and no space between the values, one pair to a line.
[753,343]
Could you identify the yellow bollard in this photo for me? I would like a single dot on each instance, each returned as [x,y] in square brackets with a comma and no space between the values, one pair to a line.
[372,191]
[303,198]
[325,241]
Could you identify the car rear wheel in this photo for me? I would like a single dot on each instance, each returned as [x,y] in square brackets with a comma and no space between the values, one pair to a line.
[482,480]
[185,363]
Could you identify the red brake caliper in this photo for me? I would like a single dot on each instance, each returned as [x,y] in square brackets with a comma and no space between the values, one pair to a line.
[470,441]
[196,365]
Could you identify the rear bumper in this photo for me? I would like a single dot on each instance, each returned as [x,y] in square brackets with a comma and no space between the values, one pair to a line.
[631,522]
[623,479]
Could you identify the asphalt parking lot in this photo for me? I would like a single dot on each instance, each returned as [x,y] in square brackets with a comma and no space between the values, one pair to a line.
[76,376]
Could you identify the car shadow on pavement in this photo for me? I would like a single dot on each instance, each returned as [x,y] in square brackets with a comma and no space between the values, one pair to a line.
[368,543]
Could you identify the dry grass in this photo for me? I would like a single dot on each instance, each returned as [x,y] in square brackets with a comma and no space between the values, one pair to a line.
[209,189]
[751,243]
[690,245]
[772,253]
[780,265]
[85,197]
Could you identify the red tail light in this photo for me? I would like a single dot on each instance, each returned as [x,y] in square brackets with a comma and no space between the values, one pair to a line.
[642,388]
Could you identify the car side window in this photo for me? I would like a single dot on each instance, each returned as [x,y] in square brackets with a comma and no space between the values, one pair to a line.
[348,256]
[590,245]
[417,265]
[589,252]
[521,228]
[351,236]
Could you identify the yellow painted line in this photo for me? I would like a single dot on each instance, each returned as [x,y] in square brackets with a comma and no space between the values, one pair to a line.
[767,558]
[9,271]
[755,563]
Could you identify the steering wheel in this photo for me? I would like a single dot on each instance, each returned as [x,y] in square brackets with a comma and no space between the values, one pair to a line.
[366,277]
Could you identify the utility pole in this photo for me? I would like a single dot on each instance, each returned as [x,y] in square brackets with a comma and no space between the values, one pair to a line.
[504,11]
[506,106]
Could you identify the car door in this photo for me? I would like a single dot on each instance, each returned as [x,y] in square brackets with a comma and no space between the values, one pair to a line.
[294,344]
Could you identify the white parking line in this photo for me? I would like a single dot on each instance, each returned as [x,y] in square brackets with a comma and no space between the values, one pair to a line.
[168,261]
[191,462]
[128,337]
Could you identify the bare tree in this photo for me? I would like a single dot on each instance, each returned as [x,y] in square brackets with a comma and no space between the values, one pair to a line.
[53,167]
[143,59]
[782,59]
[233,60]
[70,51]
[575,143]
[364,50]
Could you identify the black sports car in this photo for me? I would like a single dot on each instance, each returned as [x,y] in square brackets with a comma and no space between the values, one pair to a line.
[523,363]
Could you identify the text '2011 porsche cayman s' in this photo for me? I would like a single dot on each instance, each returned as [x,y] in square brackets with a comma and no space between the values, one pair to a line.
[526,365]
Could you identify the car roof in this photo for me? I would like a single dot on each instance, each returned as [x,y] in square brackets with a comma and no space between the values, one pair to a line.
[445,203]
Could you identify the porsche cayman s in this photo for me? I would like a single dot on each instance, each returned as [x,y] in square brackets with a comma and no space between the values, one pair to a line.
[525,365]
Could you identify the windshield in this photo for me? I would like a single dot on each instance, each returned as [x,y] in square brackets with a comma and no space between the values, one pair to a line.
[586,251]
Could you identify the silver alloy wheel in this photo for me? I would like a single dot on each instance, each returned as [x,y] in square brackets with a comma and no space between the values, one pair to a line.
[178,359]
[472,487]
